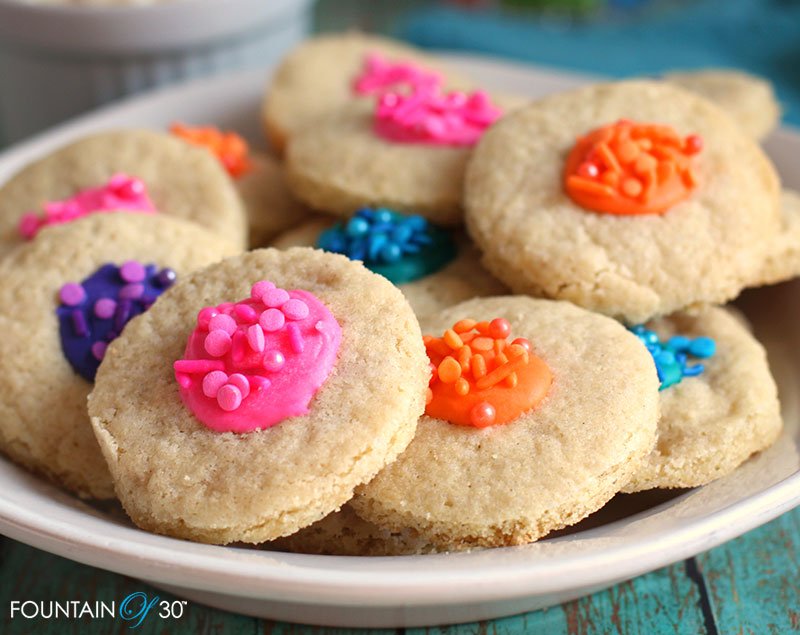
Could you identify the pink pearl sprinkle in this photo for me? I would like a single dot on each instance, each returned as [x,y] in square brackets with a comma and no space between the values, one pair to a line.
[104,308]
[275,297]
[222,322]
[271,320]
[273,361]
[217,343]
[132,271]
[205,315]
[212,382]
[240,381]
[295,309]
[245,313]
[229,398]
[131,291]
[99,350]
[255,337]
[72,294]
[259,288]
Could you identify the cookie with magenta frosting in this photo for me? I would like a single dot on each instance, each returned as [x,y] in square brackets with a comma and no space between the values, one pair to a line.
[537,413]
[260,181]
[632,199]
[323,74]
[65,298]
[405,148]
[254,398]
[433,267]
[719,402]
[136,171]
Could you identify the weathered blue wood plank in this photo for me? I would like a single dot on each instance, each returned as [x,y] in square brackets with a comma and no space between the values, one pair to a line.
[754,581]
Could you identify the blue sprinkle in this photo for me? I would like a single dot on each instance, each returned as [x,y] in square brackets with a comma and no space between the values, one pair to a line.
[375,243]
[671,357]
[391,253]
[383,215]
[417,223]
[703,347]
[401,234]
[366,213]
[357,226]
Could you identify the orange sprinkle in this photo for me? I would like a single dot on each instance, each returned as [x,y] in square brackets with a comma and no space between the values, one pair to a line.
[482,327]
[464,356]
[462,326]
[452,339]
[478,366]
[449,370]
[632,168]
[462,386]
[511,380]
[499,345]
[482,344]
[499,373]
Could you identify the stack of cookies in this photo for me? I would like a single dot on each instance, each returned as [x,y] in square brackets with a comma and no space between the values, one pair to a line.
[434,319]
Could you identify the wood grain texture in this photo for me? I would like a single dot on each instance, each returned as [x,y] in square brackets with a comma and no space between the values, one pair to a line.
[750,585]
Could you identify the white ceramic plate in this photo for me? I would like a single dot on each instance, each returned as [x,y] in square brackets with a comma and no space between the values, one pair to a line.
[632,535]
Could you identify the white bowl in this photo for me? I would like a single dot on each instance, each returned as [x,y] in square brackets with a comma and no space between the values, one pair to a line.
[632,535]
[59,60]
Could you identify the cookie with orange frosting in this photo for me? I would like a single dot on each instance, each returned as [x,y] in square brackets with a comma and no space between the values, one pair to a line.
[320,76]
[65,297]
[260,180]
[254,398]
[430,284]
[537,413]
[632,199]
[136,171]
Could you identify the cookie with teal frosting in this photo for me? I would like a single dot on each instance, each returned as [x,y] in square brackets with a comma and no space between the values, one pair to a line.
[433,267]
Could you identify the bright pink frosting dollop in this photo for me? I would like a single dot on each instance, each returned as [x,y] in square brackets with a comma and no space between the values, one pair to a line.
[380,74]
[430,116]
[251,364]
[121,192]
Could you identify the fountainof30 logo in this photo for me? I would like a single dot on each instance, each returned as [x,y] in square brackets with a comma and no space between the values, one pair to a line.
[133,609]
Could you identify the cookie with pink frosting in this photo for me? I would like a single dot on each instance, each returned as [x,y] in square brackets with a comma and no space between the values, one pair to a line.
[258,394]
[328,71]
[66,296]
[135,171]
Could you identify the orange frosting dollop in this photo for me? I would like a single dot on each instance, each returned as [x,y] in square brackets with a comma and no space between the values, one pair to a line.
[231,149]
[632,168]
[479,378]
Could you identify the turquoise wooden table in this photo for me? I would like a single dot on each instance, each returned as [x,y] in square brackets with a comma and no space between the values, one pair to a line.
[750,585]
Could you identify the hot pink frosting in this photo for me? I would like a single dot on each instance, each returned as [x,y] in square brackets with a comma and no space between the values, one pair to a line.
[250,365]
[429,116]
[379,74]
[122,192]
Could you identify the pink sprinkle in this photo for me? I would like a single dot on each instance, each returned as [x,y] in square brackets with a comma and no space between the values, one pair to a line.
[259,288]
[273,361]
[275,297]
[197,366]
[99,350]
[217,343]
[245,313]
[72,294]
[272,320]
[255,337]
[104,308]
[239,346]
[379,74]
[229,398]
[131,291]
[295,309]
[205,315]
[226,307]
[184,381]
[295,337]
[29,225]
[213,381]
[223,323]
[320,326]
[240,381]
[132,271]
